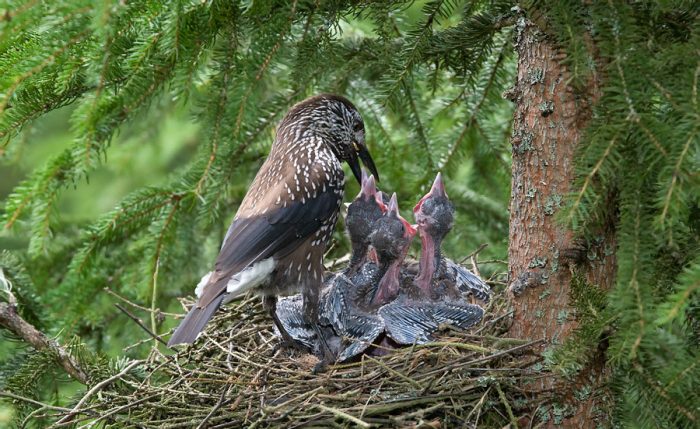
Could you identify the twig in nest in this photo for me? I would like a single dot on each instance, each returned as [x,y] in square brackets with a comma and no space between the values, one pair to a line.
[96,388]
[343,415]
[494,321]
[478,407]
[475,266]
[395,372]
[506,404]
[11,320]
[474,253]
[220,403]
[117,410]
[140,307]
[140,323]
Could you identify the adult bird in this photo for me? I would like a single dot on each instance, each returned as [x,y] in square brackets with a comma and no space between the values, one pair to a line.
[276,242]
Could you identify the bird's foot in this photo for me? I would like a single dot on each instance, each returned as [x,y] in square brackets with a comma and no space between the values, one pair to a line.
[320,367]
[289,344]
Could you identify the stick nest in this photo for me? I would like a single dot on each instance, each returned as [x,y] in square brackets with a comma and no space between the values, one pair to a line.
[235,375]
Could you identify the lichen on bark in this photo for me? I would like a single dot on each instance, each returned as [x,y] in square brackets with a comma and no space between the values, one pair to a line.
[549,122]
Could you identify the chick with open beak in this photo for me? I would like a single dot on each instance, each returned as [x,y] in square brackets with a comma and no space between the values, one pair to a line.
[431,297]
[363,212]
[352,302]
[439,276]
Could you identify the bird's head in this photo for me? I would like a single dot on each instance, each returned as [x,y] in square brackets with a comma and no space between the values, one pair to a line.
[369,192]
[434,213]
[364,211]
[338,122]
[391,239]
[392,233]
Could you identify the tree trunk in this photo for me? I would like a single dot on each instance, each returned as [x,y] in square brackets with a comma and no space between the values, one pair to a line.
[549,120]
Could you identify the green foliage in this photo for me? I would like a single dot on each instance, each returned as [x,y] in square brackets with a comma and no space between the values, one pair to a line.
[638,168]
[593,317]
[118,72]
[428,79]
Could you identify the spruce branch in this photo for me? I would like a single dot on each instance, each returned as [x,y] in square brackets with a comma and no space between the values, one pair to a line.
[155,262]
[420,37]
[263,68]
[39,67]
[219,113]
[419,127]
[634,283]
[445,160]
[675,176]
[573,210]
[13,322]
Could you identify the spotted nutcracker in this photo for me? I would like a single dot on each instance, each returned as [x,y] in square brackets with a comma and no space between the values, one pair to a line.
[276,241]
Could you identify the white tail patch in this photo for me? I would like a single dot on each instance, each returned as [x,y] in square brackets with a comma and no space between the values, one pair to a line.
[200,286]
[251,277]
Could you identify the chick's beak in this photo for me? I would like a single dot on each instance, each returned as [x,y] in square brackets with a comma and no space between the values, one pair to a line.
[368,188]
[437,190]
[410,229]
[379,199]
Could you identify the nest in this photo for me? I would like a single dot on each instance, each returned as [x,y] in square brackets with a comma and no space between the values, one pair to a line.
[236,375]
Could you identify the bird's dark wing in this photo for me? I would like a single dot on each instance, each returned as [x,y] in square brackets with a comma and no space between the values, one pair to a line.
[290,313]
[408,323]
[468,282]
[458,314]
[357,329]
[276,233]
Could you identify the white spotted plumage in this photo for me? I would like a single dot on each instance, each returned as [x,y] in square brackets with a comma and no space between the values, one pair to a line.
[282,250]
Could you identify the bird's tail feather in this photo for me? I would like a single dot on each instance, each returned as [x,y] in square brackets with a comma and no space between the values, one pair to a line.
[194,322]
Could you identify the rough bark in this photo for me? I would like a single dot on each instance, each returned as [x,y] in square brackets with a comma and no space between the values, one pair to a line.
[549,120]
[11,320]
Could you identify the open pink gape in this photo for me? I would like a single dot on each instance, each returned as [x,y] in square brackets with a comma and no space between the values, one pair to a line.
[381,298]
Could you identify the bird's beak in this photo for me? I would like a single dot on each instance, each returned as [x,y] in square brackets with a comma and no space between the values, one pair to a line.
[394,205]
[437,190]
[354,163]
[394,209]
[368,162]
[368,188]
[410,229]
[438,187]
[361,153]
[378,198]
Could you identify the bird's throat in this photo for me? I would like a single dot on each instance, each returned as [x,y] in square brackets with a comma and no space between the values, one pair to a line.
[429,258]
